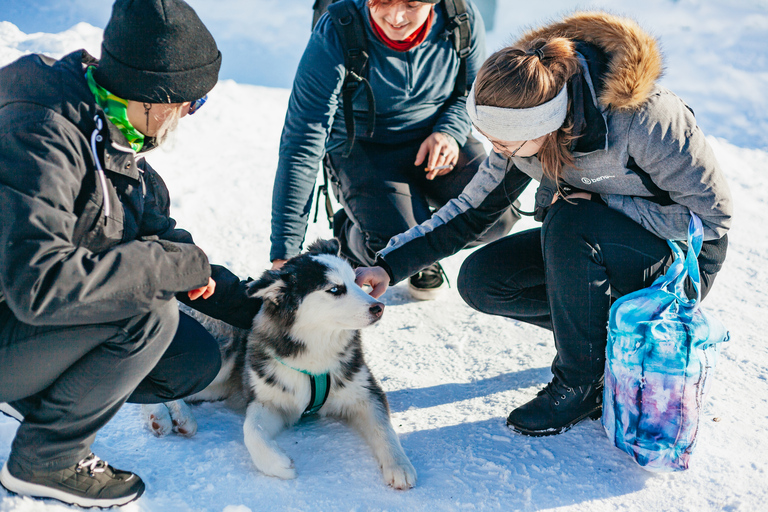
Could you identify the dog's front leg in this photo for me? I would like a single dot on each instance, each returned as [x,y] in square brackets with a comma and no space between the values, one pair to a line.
[261,426]
[371,420]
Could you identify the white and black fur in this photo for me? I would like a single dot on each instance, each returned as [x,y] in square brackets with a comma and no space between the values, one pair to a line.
[310,318]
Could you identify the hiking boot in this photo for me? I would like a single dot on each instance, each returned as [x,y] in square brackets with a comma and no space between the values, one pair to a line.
[89,483]
[428,284]
[557,408]
[10,411]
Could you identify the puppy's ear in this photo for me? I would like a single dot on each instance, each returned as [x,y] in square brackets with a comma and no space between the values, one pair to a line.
[331,246]
[267,287]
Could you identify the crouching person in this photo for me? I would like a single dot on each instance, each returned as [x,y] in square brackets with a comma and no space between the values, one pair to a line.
[90,260]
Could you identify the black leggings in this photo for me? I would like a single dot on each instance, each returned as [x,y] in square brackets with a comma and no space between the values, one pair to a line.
[564,277]
[384,194]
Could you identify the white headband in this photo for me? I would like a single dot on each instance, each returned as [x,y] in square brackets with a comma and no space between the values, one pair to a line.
[518,124]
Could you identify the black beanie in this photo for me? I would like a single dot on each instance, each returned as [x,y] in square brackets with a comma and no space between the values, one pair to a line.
[157,51]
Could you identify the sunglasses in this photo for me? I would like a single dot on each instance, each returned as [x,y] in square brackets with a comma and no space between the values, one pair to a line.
[195,105]
[505,150]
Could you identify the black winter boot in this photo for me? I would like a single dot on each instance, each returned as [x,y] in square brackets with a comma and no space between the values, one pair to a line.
[557,408]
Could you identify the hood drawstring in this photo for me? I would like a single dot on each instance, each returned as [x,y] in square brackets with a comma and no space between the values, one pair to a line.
[96,137]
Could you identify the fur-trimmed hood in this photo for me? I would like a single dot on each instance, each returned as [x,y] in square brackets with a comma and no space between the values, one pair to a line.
[635,61]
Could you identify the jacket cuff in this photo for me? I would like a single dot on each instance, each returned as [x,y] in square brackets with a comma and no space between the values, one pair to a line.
[381,262]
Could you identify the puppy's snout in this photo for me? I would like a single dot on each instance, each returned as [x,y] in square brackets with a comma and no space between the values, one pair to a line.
[376,309]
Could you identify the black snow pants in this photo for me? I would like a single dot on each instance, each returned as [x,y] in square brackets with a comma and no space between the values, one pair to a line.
[69,381]
[384,194]
[564,277]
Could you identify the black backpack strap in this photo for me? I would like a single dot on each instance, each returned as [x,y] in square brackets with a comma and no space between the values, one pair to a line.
[460,31]
[349,24]
[325,190]
[318,9]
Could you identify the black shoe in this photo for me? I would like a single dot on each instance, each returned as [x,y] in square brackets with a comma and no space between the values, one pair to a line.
[89,483]
[557,408]
[428,284]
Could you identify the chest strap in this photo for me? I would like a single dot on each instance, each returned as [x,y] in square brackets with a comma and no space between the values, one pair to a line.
[320,388]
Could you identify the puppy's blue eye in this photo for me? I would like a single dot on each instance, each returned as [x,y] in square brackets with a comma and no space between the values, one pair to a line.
[337,290]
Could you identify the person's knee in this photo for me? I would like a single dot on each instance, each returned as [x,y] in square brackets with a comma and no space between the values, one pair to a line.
[156,327]
[568,224]
[469,282]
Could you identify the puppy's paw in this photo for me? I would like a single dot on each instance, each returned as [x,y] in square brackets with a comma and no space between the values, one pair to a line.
[157,418]
[184,422]
[401,476]
[276,464]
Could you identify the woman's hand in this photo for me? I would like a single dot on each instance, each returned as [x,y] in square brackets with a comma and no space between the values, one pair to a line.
[375,277]
[204,292]
[441,152]
[276,264]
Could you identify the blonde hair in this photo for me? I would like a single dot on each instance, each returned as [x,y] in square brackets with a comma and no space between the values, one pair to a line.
[527,75]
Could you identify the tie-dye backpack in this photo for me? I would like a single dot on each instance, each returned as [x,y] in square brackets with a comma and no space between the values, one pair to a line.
[662,349]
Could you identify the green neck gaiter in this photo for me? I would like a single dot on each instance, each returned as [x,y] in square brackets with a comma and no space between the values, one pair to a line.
[116,110]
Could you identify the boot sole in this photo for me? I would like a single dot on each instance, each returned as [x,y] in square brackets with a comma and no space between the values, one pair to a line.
[9,411]
[427,293]
[23,488]
[593,415]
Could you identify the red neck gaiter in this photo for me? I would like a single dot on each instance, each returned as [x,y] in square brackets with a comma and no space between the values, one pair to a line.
[411,41]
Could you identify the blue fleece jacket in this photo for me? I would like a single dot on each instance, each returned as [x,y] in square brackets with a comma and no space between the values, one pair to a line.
[414,98]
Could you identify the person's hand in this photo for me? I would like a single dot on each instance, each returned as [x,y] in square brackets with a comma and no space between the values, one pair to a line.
[441,152]
[277,264]
[204,292]
[375,277]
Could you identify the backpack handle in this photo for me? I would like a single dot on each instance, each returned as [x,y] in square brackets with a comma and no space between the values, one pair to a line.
[685,266]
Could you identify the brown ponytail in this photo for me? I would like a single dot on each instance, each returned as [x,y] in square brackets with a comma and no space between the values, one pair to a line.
[528,75]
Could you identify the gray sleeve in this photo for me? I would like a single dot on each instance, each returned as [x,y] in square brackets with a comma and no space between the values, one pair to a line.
[665,142]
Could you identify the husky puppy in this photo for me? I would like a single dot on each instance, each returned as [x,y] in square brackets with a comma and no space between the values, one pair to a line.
[308,327]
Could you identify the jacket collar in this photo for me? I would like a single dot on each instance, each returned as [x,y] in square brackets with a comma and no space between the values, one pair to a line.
[589,123]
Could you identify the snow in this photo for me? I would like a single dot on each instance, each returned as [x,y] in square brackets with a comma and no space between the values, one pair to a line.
[452,374]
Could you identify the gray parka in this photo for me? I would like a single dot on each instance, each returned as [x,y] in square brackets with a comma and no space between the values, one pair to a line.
[639,150]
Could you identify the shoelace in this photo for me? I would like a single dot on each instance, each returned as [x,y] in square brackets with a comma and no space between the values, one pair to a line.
[556,394]
[435,270]
[93,464]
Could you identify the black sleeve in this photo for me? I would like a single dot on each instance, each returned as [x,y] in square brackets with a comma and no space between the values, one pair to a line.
[229,302]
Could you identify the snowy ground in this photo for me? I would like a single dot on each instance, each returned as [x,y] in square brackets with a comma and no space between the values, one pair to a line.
[452,375]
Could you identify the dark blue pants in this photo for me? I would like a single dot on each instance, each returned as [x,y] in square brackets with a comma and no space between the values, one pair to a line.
[69,381]
[565,276]
[384,194]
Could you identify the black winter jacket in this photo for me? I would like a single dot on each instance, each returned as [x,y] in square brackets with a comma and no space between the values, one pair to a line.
[79,245]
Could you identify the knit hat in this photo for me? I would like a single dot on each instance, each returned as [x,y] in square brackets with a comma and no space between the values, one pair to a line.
[157,51]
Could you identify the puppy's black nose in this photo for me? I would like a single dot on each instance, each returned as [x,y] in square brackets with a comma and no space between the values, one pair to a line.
[377,309]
